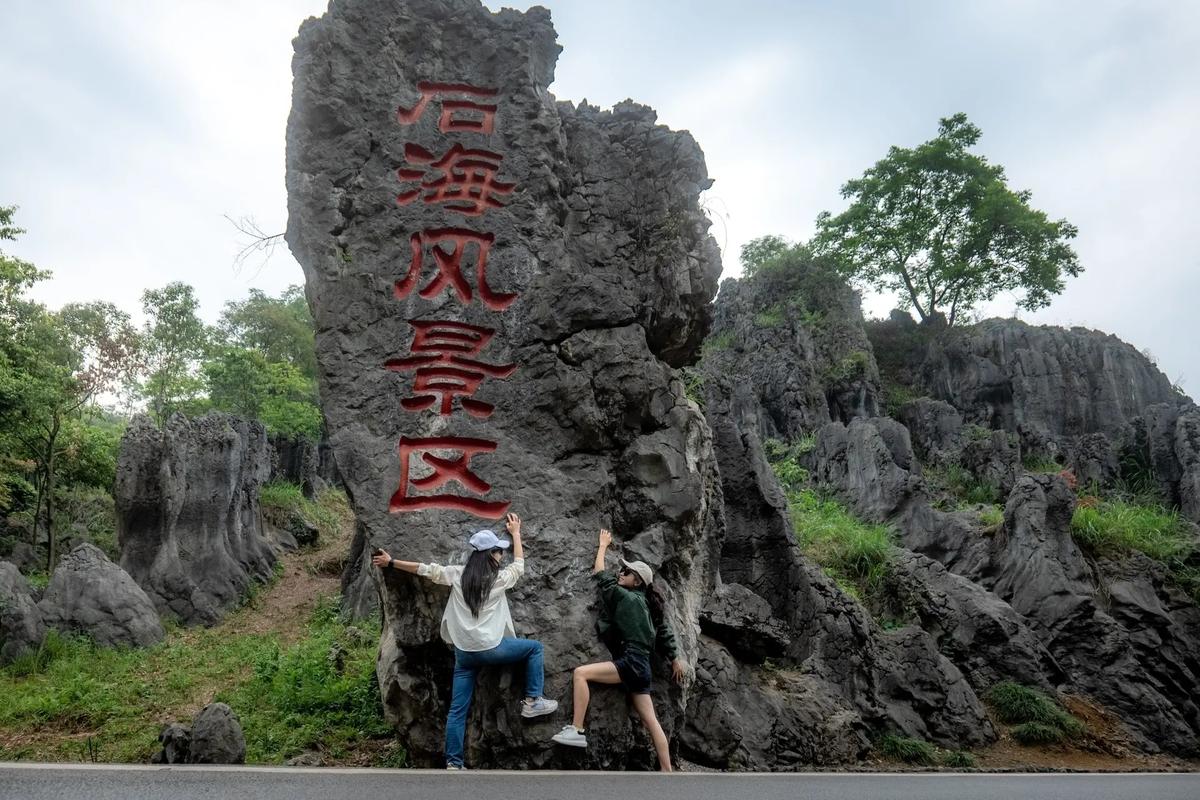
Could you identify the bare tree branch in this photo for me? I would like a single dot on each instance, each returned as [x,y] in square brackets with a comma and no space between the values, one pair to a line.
[260,243]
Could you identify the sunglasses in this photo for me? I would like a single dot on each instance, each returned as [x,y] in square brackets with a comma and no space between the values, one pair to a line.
[625,571]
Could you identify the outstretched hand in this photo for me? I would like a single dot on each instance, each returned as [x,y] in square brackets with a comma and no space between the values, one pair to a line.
[678,670]
[513,524]
[605,537]
[381,559]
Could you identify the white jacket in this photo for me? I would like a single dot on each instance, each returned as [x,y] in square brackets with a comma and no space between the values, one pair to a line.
[460,627]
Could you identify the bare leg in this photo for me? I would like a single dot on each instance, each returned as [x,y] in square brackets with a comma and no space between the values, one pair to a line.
[645,709]
[602,672]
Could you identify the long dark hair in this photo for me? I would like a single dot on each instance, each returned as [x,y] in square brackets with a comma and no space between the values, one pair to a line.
[477,578]
[656,601]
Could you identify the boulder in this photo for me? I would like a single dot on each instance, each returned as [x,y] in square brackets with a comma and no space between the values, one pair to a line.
[90,595]
[935,428]
[176,740]
[217,737]
[21,627]
[188,521]
[857,462]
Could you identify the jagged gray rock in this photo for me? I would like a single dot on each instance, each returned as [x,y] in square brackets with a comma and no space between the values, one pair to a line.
[188,521]
[935,428]
[606,249]
[301,461]
[176,740]
[975,629]
[217,737]
[21,627]
[743,622]
[1134,652]
[89,594]
[1043,382]
[857,461]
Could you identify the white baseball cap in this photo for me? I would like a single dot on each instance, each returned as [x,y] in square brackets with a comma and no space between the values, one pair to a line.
[488,540]
[641,569]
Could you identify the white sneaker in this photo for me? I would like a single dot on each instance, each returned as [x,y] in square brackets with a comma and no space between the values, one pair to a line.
[570,737]
[455,767]
[538,707]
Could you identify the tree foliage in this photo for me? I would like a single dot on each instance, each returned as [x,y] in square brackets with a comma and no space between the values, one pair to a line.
[174,340]
[280,328]
[939,225]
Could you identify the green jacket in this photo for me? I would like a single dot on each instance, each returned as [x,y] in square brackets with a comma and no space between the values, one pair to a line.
[626,612]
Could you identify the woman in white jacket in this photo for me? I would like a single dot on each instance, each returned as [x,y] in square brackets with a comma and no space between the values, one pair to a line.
[478,623]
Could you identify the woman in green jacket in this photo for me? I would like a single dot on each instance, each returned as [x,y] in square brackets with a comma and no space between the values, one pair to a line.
[627,599]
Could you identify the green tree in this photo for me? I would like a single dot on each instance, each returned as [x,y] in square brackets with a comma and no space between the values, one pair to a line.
[242,381]
[761,251]
[53,365]
[174,340]
[939,225]
[280,328]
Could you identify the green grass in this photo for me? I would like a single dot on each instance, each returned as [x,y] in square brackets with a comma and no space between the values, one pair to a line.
[1116,527]
[718,341]
[1037,734]
[1040,464]
[959,482]
[289,697]
[769,318]
[910,751]
[849,550]
[1038,718]
[280,501]
[855,554]
[992,516]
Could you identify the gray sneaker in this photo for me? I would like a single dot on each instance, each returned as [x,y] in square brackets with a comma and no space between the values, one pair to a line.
[538,707]
[456,767]
[570,736]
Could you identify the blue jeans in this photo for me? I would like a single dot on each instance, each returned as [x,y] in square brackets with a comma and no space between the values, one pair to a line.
[467,665]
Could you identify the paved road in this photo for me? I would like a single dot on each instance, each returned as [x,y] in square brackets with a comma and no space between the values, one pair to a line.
[87,782]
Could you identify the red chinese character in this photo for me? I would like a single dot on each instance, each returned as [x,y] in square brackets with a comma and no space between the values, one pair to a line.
[444,471]
[449,122]
[468,183]
[446,366]
[449,267]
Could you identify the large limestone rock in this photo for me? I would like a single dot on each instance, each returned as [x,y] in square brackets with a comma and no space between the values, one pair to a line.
[90,595]
[216,737]
[21,627]
[791,346]
[1119,630]
[598,274]
[838,675]
[1045,382]
[188,522]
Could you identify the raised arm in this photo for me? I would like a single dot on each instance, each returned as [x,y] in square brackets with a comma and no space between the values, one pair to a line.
[605,541]
[513,523]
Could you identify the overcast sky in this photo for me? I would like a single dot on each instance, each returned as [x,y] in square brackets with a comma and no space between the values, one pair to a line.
[130,129]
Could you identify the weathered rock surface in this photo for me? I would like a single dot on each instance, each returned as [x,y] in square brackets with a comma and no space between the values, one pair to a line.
[176,740]
[21,627]
[838,667]
[188,521]
[1134,651]
[216,737]
[857,461]
[603,243]
[89,594]
[306,463]
[1043,382]
[792,346]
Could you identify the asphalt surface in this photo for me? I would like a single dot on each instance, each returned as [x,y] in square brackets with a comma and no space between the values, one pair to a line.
[102,782]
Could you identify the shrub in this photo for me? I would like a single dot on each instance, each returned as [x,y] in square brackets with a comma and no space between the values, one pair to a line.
[910,751]
[959,759]
[282,501]
[718,341]
[769,318]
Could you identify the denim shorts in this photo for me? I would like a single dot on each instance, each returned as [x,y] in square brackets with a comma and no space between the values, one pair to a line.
[633,667]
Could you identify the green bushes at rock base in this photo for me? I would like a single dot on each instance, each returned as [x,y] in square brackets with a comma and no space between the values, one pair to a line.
[910,751]
[1038,718]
